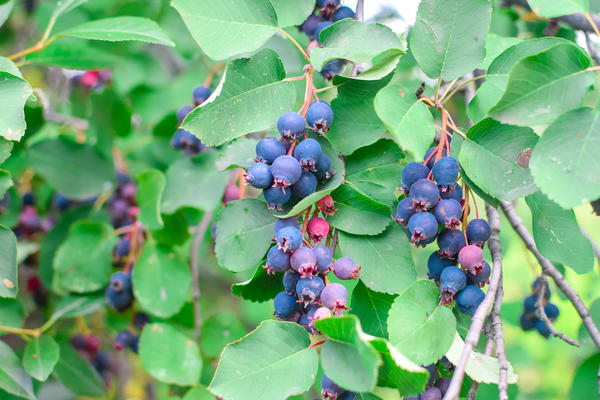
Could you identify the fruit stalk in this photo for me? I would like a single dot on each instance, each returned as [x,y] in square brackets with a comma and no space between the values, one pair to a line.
[539,304]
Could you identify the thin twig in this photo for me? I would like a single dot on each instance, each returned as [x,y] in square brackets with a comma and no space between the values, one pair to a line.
[550,269]
[334,241]
[592,242]
[542,313]
[489,346]
[199,233]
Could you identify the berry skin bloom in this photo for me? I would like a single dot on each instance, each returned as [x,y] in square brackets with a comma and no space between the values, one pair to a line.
[345,268]
[309,289]
[424,194]
[304,261]
[276,197]
[478,232]
[452,281]
[551,311]
[333,67]
[445,172]
[268,149]
[290,280]
[286,307]
[289,238]
[259,176]
[412,172]
[200,94]
[450,242]
[281,223]
[309,26]
[307,152]
[183,112]
[324,171]
[421,227]
[329,389]
[455,193]
[286,171]
[277,261]
[436,264]
[324,256]
[319,115]
[342,13]
[448,213]
[291,125]
[404,211]
[327,205]
[317,229]
[469,299]
[119,295]
[482,278]
[306,319]
[306,185]
[432,393]
[334,297]
[471,259]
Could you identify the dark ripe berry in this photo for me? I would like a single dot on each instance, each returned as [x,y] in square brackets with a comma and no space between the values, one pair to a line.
[455,193]
[134,344]
[445,172]
[443,383]
[412,172]
[596,206]
[305,186]
[448,213]
[537,285]
[432,159]
[140,320]
[122,248]
[450,242]
[541,327]
[102,363]
[280,223]
[60,201]
[332,68]
[185,140]
[529,303]
[307,318]
[329,389]
[469,299]
[29,222]
[334,297]
[310,24]
[119,295]
[324,171]
[345,268]
[551,311]
[422,226]
[527,321]
[324,257]
[232,192]
[478,232]
[277,261]
[404,211]
[268,149]
[471,258]
[309,289]
[424,194]
[259,176]
[183,112]
[319,116]
[286,307]
[342,13]
[436,264]
[286,171]
[307,152]
[123,340]
[118,209]
[323,25]
[127,192]
[78,342]
[290,280]
[432,393]
[291,125]
[200,94]
[317,229]
[276,197]
[327,205]
[482,278]
[347,396]
[289,238]
[452,281]
[304,261]
[29,199]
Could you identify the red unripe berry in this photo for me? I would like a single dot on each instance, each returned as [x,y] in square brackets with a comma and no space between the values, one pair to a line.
[33,284]
[327,205]
[232,192]
[317,229]
[92,344]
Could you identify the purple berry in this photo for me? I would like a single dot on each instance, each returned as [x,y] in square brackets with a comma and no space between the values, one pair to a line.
[424,194]
[280,223]
[183,112]
[304,261]
[119,295]
[308,152]
[276,197]
[445,172]
[122,248]
[200,94]
[334,297]
[448,213]
[277,260]
[259,176]
[310,24]
[309,289]
[478,232]
[268,149]
[140,320]
[482,278]
[306,319]
[305,186]
[123,340]
[537,285]
[421,227]
[450,242]
[320,313]
[323,255]
[412,172]
[286,308]
[471,258]
[432,393]
[324,171]
[432,159]
[290,280]
[342,13]
[289,238]
[452,281]
[329,389]
[345,268]
[469,299]
[332,68]
[443,383]
[322,26]
[291,125]
[455,193]
[436,264]
[319,116]
[286,171]
[404,211]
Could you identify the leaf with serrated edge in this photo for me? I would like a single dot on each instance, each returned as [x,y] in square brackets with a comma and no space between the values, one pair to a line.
[358,214]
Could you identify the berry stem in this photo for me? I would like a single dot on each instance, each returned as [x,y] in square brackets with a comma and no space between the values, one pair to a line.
[307,243]
[465,209]
[591,21]
[306,57]
[305,223]
[134,239]
[242,184]
[212,73]
[316,344]
[447,97]
[21,331]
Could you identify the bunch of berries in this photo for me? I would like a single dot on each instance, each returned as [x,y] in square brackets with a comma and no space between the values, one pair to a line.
[182,139]
[88,346]
[429,206]
[530,319]
[29,222]
[294,164]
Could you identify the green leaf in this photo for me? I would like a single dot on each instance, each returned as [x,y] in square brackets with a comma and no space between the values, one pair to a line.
[292,13]
[5,182]
[252,98]
[557,235]
[374,47]
[386,259]
[83,262]
[449,35]
[13,378]
[198,393]
[418,326]
[356,124]
[176,229]
[78,171]
[40,356]
[494,46]
[261,287]
[5,10]
[161,280]
[5,149]
[238,154]
[409,120]
[14,92]
[8,263]
[73,53]
[77,374]
[273,362]
[358,214]
[219,330]
[372,309]
[585,380]
[206,191]
[72,306]
[11,313]
[118,29]
[64,6]
[557,8]
[178,360]
[491,140]
[347,356]
[544,85]
[564,163]
[244,233]
[480,368]
[226,28]
[151,185]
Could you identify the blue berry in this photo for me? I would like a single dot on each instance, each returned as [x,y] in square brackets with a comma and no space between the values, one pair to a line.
[452,281]
[323,25]
[276,197]
[310,24]
[201,93]
[482,278]
[323,255]
[342,13]
[308,152]
[289,238]
[436,264]
[478,232]
[334,297]
[60,201]
[412,172]
[527,321]
[140,320]
[286,308]
[404,211]
[448,213]
[122,248]
[119,295]
[277,260]
[306,319]
[432,159]
[290,280]
[306,185]
[123,340]
[323,168]
[309,289]
[183,112]
[445,172]
[329,389]
[529,303]
[268,149]
[541,327]
[422,226]
[551,311]
[291,125]
[283,222]
[345,268]
[304,261]
[432,393]
[319,116]
[332,68]
[536,286]
[424,194]
[259,176]
[29,199]
[455,193]
[286,171]
[469,299]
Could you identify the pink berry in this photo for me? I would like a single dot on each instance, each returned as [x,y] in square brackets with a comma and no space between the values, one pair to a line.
[232,192]
[327,205]
[317,229]
[345,268]
[320,313]
[471,259]
[334,296]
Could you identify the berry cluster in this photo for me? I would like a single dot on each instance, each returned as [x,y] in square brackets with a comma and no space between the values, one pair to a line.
[530,319]
[435,210]
[29,222]
[88,346]
[286,167]
[182,139]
